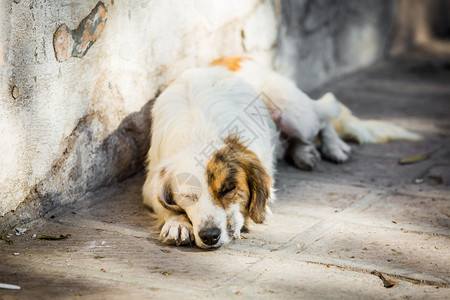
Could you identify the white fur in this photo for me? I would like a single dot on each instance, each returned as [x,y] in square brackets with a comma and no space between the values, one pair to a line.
[193,115]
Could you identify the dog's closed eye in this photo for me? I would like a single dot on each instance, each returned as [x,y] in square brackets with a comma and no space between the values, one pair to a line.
[227,190]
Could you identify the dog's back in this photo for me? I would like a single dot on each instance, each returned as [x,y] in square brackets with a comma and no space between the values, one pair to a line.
[204,105]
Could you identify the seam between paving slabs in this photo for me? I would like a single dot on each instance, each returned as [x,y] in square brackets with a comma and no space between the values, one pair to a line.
[241,279]
[403,274]
[319,229]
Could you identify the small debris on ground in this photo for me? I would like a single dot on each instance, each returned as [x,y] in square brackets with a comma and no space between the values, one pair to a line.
[20,231]
[386,282]
[6,239]
[418,180]
[165,273]
[9,286]
[16,253]
[48,237]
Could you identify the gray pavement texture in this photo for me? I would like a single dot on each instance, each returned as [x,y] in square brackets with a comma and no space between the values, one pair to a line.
[330,228]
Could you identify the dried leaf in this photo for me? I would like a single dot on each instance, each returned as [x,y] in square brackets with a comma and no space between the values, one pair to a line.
[48,237]
[6,239]
[414,158]
[386,282]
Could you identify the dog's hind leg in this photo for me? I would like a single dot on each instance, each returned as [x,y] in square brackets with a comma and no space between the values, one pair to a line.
[304,156]
[333,148]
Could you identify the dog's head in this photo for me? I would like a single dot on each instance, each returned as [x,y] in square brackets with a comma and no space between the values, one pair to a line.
[231,187]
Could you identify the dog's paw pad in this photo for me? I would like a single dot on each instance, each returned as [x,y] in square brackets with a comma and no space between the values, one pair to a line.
[176,232]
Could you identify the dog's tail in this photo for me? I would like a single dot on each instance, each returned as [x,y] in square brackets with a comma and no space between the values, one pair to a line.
[349,127]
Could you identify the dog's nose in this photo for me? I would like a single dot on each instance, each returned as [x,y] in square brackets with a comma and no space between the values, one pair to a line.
[210,235]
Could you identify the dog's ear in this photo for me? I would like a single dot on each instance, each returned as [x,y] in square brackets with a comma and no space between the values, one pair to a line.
[259,182]
[165,196]
[258,179]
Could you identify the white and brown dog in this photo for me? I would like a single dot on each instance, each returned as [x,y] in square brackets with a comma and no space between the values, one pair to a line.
[216,138]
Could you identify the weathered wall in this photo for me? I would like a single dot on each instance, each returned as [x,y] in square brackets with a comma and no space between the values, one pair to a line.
[322,39]
[72,124]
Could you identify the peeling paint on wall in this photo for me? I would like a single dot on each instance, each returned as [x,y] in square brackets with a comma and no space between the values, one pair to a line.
[76,43]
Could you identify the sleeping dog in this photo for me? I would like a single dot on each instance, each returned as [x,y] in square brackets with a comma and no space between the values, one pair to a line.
[216,135]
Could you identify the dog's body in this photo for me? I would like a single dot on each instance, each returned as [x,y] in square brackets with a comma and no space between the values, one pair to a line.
[215,141]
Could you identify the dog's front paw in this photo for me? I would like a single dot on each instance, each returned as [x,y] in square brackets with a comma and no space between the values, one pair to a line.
[177,231]
[337,152]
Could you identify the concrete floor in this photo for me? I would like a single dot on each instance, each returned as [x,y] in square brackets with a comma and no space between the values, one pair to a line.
[330,228]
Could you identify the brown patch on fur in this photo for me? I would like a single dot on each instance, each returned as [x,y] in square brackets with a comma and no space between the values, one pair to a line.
[236,175]
[231,63]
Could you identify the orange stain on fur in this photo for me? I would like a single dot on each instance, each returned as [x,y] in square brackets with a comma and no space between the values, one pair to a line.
[231,63]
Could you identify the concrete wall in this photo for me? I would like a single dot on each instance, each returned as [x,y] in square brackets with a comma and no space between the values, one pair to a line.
[77,77]
[322,39]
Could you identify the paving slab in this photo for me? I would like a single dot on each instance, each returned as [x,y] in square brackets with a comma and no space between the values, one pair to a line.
[329,230]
